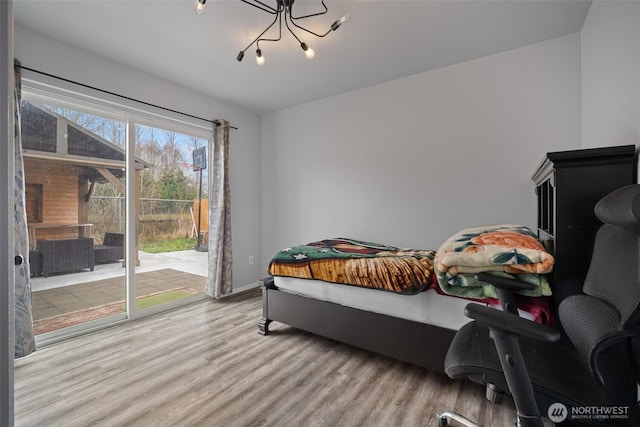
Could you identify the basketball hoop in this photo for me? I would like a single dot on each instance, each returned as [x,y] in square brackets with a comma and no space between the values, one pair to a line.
[198,165]
[193,167]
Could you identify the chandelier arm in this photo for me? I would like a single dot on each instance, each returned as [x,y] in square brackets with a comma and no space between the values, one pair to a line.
[262,33]
[308,16]
[262,6]
[286,22]
[308,31]
[271,40]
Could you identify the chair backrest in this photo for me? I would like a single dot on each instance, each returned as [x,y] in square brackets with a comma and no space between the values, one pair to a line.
[608,313]
[613,274]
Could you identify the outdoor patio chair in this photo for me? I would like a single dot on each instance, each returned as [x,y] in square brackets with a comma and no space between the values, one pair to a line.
[111,249]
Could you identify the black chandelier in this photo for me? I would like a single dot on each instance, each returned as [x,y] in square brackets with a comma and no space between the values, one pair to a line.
[282,8]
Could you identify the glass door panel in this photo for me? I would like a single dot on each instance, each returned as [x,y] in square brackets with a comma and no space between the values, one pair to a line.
[74,167]
[172,222]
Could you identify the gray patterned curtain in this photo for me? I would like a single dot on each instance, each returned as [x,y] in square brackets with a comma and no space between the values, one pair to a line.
[25,341]
[219,281]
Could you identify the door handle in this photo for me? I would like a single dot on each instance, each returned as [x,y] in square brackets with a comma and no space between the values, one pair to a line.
[18,260]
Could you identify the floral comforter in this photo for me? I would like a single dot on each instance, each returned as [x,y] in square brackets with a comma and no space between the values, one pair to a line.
[507,250]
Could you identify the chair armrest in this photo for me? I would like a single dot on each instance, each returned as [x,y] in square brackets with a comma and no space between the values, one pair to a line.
[500,320]
[504,282]
[505,288]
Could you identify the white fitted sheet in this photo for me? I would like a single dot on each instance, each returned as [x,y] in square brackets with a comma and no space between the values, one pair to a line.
[426,307]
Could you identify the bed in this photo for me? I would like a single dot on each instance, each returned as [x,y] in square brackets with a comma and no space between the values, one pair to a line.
[402,303]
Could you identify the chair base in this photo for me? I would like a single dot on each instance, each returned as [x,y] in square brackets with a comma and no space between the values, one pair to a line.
[445,417]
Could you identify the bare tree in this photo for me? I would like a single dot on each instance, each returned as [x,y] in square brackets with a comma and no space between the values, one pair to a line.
[172,159]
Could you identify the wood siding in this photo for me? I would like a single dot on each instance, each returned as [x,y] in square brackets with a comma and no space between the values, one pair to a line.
[62,185]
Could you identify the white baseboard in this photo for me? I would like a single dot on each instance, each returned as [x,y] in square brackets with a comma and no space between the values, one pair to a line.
[245,288]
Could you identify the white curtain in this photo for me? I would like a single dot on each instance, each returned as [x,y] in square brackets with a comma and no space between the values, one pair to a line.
[25,342]
[219,282]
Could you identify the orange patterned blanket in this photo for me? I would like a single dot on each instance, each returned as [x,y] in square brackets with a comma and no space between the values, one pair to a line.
[509,250]
[357,263]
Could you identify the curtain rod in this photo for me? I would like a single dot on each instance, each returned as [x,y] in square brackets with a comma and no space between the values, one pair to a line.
[214,122]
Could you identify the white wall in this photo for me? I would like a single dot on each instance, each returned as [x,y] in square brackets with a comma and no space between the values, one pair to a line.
[44,54]
[411,161]
[611,74]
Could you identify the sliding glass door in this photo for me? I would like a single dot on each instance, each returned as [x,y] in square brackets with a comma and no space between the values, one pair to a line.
[98,182]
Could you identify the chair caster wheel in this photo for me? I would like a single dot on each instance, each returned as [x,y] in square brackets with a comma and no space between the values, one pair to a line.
[494,394]
[443,422]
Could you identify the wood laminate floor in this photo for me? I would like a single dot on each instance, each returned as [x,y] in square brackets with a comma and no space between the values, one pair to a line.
[206,365]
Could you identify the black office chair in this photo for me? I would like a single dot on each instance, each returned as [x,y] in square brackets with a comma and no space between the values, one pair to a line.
[586,375]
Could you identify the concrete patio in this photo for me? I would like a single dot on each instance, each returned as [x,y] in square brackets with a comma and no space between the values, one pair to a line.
[190,261]
[67,299]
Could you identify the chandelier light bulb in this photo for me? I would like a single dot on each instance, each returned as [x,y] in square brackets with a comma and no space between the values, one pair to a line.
[259,57]
[200,6]
[308,52]
[346,18]
[339,22]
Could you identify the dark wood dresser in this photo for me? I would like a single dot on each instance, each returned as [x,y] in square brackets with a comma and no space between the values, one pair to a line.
[568,186]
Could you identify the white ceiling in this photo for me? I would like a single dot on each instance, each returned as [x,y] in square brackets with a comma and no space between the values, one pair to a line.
[384,40]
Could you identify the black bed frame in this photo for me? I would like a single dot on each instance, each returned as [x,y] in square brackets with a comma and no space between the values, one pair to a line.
[413,342]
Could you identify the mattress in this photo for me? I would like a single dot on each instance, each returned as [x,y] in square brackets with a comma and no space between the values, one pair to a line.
[398,282]
[426,307]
